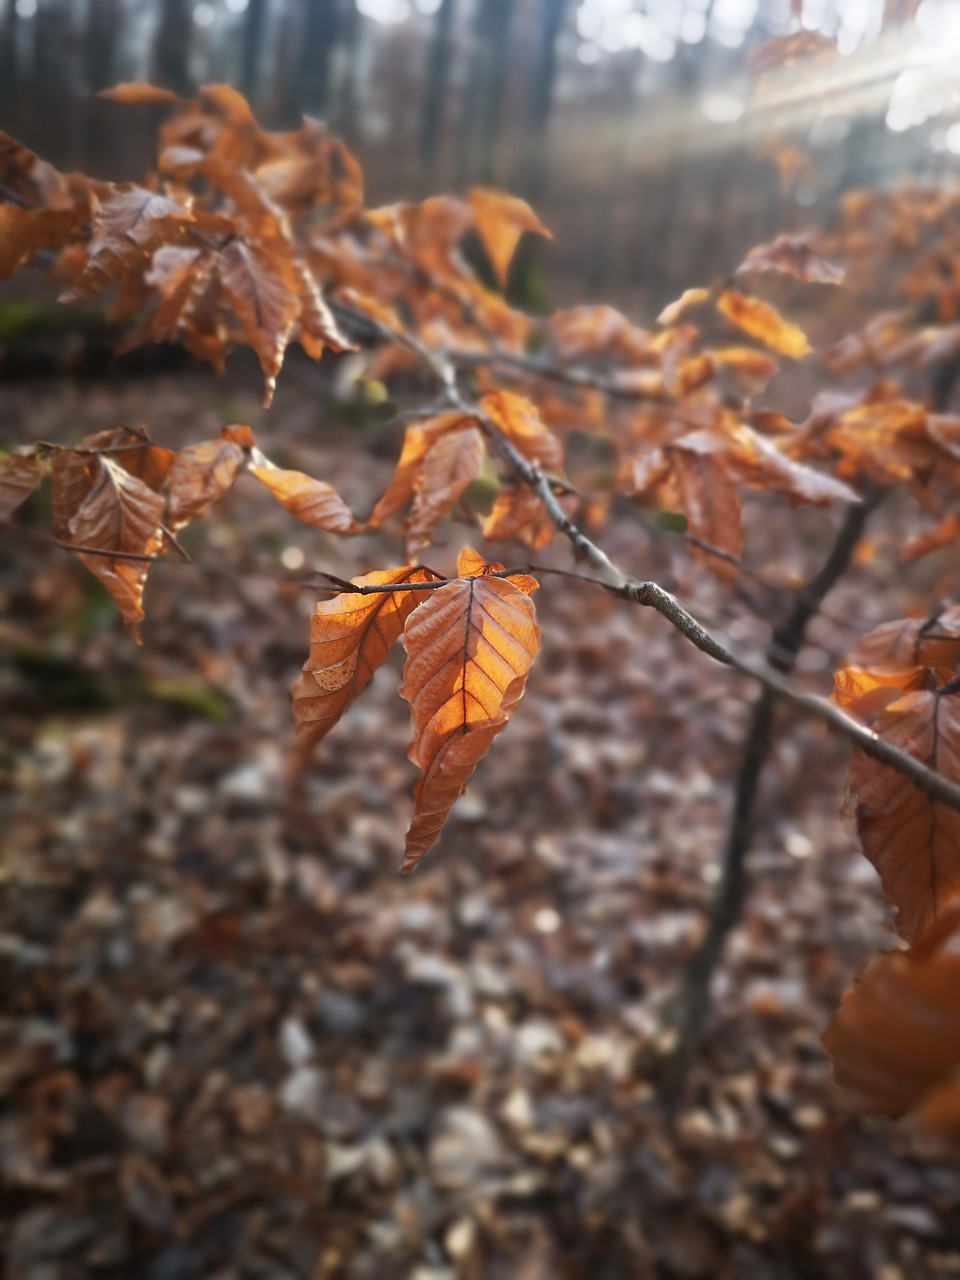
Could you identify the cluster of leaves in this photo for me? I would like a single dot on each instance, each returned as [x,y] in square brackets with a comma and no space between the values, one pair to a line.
[238,236]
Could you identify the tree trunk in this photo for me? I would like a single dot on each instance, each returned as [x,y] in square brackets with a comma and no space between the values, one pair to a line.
[251,48]
[171,49]
[435,92]
[319,35]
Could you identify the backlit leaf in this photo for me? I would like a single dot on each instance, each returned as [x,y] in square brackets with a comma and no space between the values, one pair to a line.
[349,638]
[469,649]
[501,220]
[519,420]
[763,322]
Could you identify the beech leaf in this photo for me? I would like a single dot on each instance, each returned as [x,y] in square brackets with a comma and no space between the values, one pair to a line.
[20,474]
[764,323]
[118,513]
[896,1035]
[312,501]
[911,839]
[349,638]
[469,649]
[201,473]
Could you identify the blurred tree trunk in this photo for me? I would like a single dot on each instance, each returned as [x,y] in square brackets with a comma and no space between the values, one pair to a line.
[348,107]
[55,126]
[531,173]
[171,49]
[9,68]
[481,113]
[435,91]
[609,197]
[251,49]
[318,38]
[99,62]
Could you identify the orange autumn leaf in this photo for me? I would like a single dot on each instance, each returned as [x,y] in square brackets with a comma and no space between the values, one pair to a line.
[24,232]
[137,93]
[20,474]
[896,1036]
[866,693]
[449,467]
[469,649]
[349,638]
[314,502]
[519,420]
[763,322]
[911,839]
[417,440]
[500,221]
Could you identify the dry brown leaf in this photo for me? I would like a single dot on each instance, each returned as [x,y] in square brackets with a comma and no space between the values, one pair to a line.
[118,513]
[764,323]
[501,220]
[912,840]
[450,466]
[519,420]
[201,473]
[20,474]
[417,439]
[896,1035]
[261,283]
[24,232]
[349,638]
[911,642]
[710,502]
[793,256]
[469,649]
[518,513]
[129,224]
[312,501]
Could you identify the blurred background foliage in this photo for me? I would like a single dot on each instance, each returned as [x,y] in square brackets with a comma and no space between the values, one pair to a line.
[638,128]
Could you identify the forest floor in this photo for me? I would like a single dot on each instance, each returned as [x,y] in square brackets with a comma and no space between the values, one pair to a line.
[236,1045]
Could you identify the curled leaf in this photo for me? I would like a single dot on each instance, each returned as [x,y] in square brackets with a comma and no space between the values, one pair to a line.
[312,501]
[501,220]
